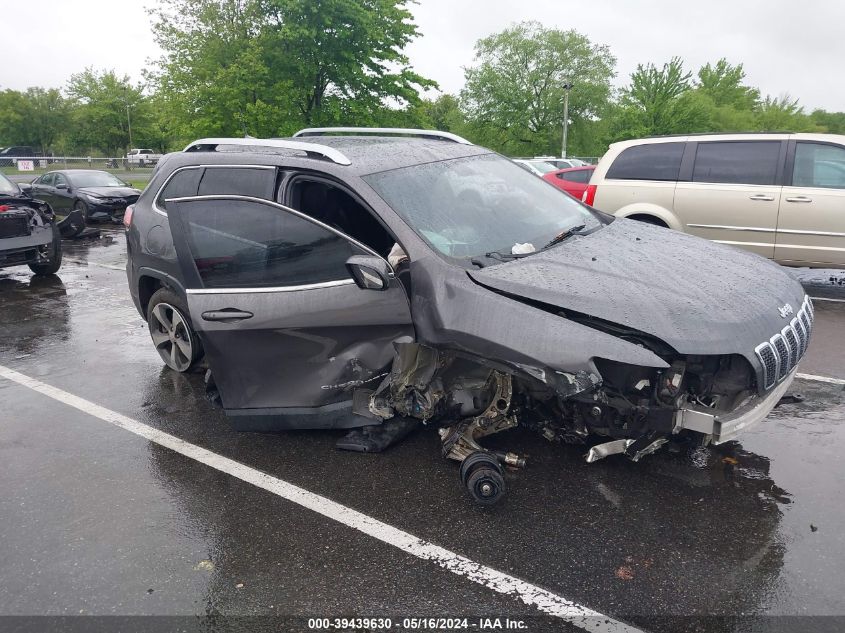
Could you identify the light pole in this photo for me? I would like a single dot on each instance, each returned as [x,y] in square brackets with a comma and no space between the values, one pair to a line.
[128,121]
[566,87]
[129,126]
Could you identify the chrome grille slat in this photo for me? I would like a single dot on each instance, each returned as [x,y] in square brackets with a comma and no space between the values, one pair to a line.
[792,344]
[781,353]
[801,333]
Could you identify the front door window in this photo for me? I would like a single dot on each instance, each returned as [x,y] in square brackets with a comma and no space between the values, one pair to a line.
[245,244]
[819,165]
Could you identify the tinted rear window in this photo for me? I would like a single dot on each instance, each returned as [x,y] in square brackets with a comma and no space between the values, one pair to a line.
[239,181]
[651,161]
[582,175]
[236,181]
[182,184]
[737,162]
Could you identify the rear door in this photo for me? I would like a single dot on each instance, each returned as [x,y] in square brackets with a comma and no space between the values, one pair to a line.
[732,191]
[286,331]
[811,223]
[63,194]
[42,188]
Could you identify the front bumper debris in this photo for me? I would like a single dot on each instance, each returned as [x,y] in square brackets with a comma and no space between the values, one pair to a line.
[724,427]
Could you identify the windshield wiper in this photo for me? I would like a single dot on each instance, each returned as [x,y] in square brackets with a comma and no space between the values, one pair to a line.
[505,256]
[557,239]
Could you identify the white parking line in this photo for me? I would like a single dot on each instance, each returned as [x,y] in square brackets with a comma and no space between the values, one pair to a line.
[833,381]
[828,299]
[532,595]
[98,264]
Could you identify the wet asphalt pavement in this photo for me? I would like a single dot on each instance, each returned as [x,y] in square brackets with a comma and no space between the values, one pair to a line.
[97,521]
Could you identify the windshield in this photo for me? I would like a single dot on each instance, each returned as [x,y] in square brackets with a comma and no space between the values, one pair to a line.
[96,179]
[467,207]
[7,187]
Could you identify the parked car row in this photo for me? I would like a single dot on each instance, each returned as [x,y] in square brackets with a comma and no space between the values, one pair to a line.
[542,165]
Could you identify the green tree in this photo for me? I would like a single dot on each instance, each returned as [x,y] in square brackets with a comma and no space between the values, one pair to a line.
[513,97]
[48,116]
[100,120]
[723,84]
[266,67]
[36,117]
[831,122]
[443,113]
[14,111]
[661,101]
[775,114]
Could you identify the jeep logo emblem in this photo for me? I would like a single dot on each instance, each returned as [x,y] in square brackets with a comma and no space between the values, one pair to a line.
[785,311]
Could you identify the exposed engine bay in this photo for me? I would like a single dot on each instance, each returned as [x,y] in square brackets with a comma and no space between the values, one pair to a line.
[25,231]
[469,399]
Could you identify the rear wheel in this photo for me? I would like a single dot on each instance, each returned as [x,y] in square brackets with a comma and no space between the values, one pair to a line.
[81,208]
[648,219]
[172,332]
[53,252]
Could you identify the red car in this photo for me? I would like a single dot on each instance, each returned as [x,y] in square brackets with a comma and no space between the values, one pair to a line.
[573,180]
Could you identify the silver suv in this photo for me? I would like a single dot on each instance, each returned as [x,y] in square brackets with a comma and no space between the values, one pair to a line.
[781,196]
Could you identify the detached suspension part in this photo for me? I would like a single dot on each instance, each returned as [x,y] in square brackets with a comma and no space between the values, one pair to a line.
[481,470]
[482,475]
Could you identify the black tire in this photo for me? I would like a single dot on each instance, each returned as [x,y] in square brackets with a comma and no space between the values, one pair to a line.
[82,207]
[54,261]
[165,305]
[649,219]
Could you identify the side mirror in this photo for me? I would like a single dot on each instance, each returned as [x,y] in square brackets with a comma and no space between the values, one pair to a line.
[25,189]
[370,273]
[61,185]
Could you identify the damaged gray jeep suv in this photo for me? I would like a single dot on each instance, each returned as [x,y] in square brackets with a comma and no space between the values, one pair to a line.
[29,233]
[376,279]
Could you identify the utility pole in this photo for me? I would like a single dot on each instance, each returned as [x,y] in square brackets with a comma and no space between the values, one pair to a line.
[566,87]
[128,121]
[128,126]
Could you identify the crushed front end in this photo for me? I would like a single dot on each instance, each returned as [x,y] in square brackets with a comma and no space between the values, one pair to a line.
[704,398]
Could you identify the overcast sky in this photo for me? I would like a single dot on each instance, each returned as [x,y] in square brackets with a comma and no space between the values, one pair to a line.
[786,46]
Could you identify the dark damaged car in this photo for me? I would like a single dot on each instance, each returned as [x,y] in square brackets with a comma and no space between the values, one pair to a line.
[390,278]
[28,231]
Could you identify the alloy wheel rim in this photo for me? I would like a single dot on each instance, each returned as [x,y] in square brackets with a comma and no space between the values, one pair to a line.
[171,336]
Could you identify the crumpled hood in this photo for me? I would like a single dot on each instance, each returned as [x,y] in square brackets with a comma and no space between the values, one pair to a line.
[111,192]
[698,296]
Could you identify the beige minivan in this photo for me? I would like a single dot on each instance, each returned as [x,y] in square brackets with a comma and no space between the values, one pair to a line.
[779,195]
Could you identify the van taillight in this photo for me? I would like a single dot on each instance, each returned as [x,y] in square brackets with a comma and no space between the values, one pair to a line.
[589,195]
[127,215]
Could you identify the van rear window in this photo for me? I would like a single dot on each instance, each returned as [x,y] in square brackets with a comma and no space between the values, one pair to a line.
[651,161]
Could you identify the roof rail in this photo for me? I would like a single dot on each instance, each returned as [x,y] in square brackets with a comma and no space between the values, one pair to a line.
[383,131]
[311,149]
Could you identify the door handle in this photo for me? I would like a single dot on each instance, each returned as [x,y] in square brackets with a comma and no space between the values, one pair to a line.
[799,199]
[763,197]
[226,315]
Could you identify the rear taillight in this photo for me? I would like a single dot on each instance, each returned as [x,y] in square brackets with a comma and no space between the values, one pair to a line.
[4,207]
[589,195]
[127,215]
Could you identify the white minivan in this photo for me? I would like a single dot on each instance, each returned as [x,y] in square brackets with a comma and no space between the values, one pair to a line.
[779,195]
